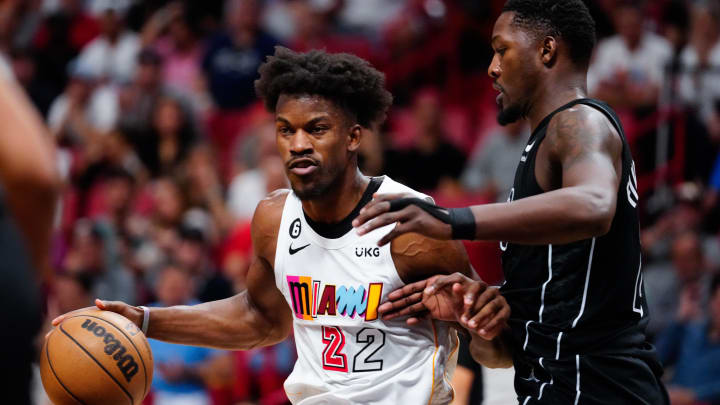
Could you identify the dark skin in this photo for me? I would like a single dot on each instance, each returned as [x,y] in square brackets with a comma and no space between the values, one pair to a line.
[318,142]
[578,165]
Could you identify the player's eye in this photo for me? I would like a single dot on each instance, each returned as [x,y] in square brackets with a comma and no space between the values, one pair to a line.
[318,130]
[500,51]
[284,131]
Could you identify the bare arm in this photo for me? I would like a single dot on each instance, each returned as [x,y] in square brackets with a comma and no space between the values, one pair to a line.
[494,353]
[254,318]
[582,151]
[586,149]
[27,171]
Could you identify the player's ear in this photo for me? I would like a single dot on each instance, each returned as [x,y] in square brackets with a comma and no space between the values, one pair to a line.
[354,137]
[548,52]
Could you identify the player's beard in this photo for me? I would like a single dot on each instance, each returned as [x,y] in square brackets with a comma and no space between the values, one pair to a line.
[317,189]
[512,113]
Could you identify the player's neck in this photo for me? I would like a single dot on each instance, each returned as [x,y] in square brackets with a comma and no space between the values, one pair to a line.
[555,95]
[338,202]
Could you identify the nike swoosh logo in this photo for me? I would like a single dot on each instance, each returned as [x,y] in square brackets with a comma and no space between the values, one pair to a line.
[529,147]
[293,251]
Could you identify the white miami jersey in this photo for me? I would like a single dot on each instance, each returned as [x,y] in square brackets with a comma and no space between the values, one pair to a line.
[346,353]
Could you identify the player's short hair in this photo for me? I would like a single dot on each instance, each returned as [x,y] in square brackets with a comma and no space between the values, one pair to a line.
[350,82]
[569,20]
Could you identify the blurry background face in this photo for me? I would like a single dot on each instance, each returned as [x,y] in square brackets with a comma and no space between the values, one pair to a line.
[169,204]
[241,14]
[147,75]
[428,112]
[71,293]
[168,117]
[629,24]
[110,23]
[687,256]
[319,143]
[174,286]
[118,194]
[190,253]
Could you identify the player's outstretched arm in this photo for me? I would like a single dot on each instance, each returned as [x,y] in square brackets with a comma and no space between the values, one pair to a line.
[256,317]
[584,151]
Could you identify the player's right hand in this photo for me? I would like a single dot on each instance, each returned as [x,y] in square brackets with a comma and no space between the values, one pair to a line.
[130,312]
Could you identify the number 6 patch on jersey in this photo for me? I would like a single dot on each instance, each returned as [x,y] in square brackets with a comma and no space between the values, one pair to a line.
[334,358]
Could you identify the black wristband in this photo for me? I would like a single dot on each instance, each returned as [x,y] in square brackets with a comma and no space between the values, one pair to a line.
[432,209]
[462,221]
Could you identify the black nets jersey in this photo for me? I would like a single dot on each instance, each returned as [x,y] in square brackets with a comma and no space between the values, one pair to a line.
[575,303]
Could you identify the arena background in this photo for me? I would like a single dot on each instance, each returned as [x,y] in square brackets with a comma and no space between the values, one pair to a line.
[164,152]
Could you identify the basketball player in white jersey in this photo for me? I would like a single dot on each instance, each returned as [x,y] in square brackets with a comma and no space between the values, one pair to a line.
[312,273]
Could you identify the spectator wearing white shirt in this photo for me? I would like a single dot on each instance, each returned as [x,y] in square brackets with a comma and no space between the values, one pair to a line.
[700,61]
[628,68]
[84,109]
[113,54]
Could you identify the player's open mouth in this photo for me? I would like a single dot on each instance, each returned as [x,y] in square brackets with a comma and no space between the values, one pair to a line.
[303,166]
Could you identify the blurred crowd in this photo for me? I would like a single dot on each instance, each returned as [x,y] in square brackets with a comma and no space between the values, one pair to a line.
[165,151]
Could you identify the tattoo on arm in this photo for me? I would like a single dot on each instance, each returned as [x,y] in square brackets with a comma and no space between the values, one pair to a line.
[576,133]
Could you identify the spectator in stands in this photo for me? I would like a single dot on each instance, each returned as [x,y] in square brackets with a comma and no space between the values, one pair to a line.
[205,190]
[71,292]
[112,55]
[94,253]
[233,56]
[138,98]
[259,171]
[628,69]
[700,60]
[59,39]
[692,346]
[686,277]
[491,169]
[85,109]
[168,141]
[169,203]
[178,368]
[173,34]
[192,256]
[684,215]
[314,29]
[432,159]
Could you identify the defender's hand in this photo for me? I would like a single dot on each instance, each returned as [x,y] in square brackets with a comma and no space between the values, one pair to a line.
[411,301]
[134,314]
[456,298]
[412,218]
[484,311]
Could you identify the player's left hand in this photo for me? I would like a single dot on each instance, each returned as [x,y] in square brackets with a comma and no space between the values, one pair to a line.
[411,218]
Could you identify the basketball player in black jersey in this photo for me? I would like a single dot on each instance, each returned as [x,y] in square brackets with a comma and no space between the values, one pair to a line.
[571,248]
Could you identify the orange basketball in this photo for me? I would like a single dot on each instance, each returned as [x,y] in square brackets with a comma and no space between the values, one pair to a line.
[96,357]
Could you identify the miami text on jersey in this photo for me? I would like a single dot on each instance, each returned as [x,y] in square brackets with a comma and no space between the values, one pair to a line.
[308,303]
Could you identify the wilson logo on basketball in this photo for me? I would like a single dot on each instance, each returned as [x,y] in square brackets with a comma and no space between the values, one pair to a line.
[125,362]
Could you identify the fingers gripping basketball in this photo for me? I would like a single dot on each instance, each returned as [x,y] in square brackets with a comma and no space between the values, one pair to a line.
[96,357]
